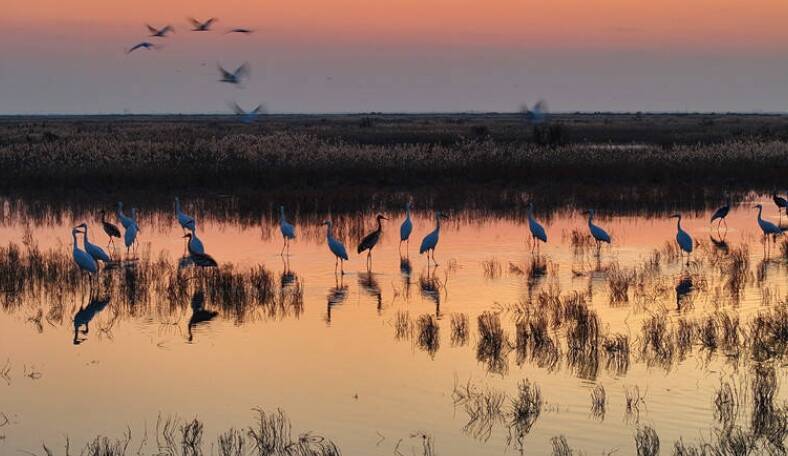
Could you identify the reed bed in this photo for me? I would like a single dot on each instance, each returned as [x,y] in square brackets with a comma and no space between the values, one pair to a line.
[216,153]
[270,434]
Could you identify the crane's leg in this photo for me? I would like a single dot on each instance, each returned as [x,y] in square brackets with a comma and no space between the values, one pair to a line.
[433,258]
[284,244]
[342,266]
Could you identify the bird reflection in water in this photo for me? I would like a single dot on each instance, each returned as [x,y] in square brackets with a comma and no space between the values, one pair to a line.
[405,269]
[719,243]
[430,287]
[370,285]
[85,315]
[683,291]
[199,314]
[336,295]
[288,277]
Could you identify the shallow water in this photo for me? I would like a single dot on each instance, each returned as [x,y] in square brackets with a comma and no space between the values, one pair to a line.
[334,360]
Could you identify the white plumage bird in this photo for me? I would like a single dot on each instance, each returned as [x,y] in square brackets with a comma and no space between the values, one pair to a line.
[336,247]
[407,226]
[96,252]
[287,230]
[83,260]
[186,221]
[195,244]
[537,230]
[597,232]
[430,241]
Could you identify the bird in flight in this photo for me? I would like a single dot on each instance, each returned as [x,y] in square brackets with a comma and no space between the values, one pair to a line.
[202,26]
[160,33]
[236,76]
[143,45]
[245,31]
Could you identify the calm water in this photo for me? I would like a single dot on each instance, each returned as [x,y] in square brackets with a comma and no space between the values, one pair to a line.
[337,358]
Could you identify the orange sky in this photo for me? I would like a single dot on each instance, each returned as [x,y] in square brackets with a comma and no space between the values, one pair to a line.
[714,24]
[398,55]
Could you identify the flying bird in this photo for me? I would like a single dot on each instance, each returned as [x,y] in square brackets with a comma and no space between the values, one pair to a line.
[202,26]
[244,31]
[160,33]
[143,45]
[236,76]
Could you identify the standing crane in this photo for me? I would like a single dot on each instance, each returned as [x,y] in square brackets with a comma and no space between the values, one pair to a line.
[371,240]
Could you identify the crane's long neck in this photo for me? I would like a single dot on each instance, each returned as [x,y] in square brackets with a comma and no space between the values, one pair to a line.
[678,223]
[407,211]
[438,223]
[590,218]
[380,224]
[86,236]
[760,209]
[74,235]
[328,230]
[281,214]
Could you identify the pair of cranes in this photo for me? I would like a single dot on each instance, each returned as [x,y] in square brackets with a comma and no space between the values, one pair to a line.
[368,242]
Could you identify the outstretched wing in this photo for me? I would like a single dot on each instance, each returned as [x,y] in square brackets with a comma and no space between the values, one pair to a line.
[225,74]
[241,71]
[151,29]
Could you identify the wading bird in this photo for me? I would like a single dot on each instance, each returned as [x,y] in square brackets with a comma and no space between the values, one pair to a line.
[406,228]
[767,227]
[336,247]
[236,76]
[288,231]
[84,261]
[371,240]
[159,33]
[109,228]
[202,26]
[195,244]
[143,45]
[597,232]
[430,241]
[96,252]
[721,213]
[202,260]
[781,203]
[122,218]
[537,230]
[683,238]
[130,236]
[186,221]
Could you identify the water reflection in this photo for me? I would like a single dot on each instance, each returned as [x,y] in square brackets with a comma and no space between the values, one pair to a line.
[85,315]
[336,295]
[199,315]
[370,285]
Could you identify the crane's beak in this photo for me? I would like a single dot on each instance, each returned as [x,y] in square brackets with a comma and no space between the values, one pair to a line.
[186,235]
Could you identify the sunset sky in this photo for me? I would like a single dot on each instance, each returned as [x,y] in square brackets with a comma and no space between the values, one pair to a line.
[397,55]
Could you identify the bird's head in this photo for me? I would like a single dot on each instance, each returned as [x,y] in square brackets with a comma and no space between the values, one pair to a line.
[675,216]
[758,206]
[327,222]
[408,205]
[439,215]
[83,225]
[187,235]
[381,217]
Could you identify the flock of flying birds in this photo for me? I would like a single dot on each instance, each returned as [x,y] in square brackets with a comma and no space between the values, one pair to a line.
[230,77]
[87,260]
